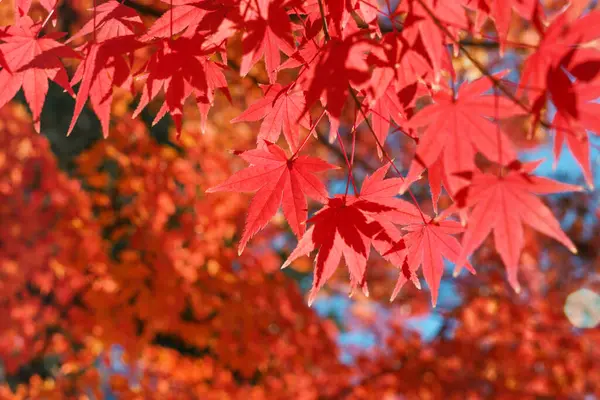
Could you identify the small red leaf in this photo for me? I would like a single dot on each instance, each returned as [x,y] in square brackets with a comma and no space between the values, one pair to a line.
[278,181]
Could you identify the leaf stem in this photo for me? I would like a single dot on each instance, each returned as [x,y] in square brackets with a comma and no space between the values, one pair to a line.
[350,175]
[312,128]
[352,157]
[94,12]
[46,21]
[498,133]
[325,30]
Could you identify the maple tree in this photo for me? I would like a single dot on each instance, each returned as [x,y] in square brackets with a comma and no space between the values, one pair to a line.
[338,109]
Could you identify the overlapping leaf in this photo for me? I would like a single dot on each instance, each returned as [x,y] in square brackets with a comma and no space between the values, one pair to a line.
[349,225]
[113,19]
[501,12]
[29,61]
[190,17]
[419,25]
[345,228]
[281,110]
[103,68]
[561,37]
[339,63]
[267,31]
[181,69]
[576,114]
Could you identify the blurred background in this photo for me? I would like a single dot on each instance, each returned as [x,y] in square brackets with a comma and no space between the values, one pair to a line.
[119,276]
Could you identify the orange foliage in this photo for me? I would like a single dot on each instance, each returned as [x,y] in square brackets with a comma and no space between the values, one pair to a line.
[144,260]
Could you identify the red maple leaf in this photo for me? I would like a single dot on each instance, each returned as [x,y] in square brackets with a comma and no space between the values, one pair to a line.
[501,12]
[281,110]
[22,6]
[181,68]
[576,113]
[306,52]
[420,25]
[342,227]
[397,64]
[458,127]
[340,63]
[190,17]
[278,181]
[394,85]
[348,226]
[21,9]
[384,192]
[103,68]
[113,19]
[426,245]
[29,61]
[561,37]
[267,31]
[114,29]
[503,203]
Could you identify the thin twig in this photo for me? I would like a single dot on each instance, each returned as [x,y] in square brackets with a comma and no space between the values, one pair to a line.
[384,152]
[325,30]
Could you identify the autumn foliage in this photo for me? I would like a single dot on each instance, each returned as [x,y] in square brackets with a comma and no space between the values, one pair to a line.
[396,139]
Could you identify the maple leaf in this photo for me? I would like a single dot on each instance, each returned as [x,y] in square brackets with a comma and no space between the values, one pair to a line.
[394,85]
[345,228]
[190,17]
[340,63]
[427,244]
[281,110]
[348,225]
[503,203]
[576,113]
[398,64]
[22,7]
[278,181]
[561,37]
[113,19]
[501,11]
[419,24]
[29,61]
[458,127]
[369,11]
[384,192]
[427,241]
[181,68]
[102,68]
[267,31]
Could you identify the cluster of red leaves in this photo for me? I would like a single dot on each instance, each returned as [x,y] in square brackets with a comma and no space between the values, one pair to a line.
[143,198]
[340,53]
